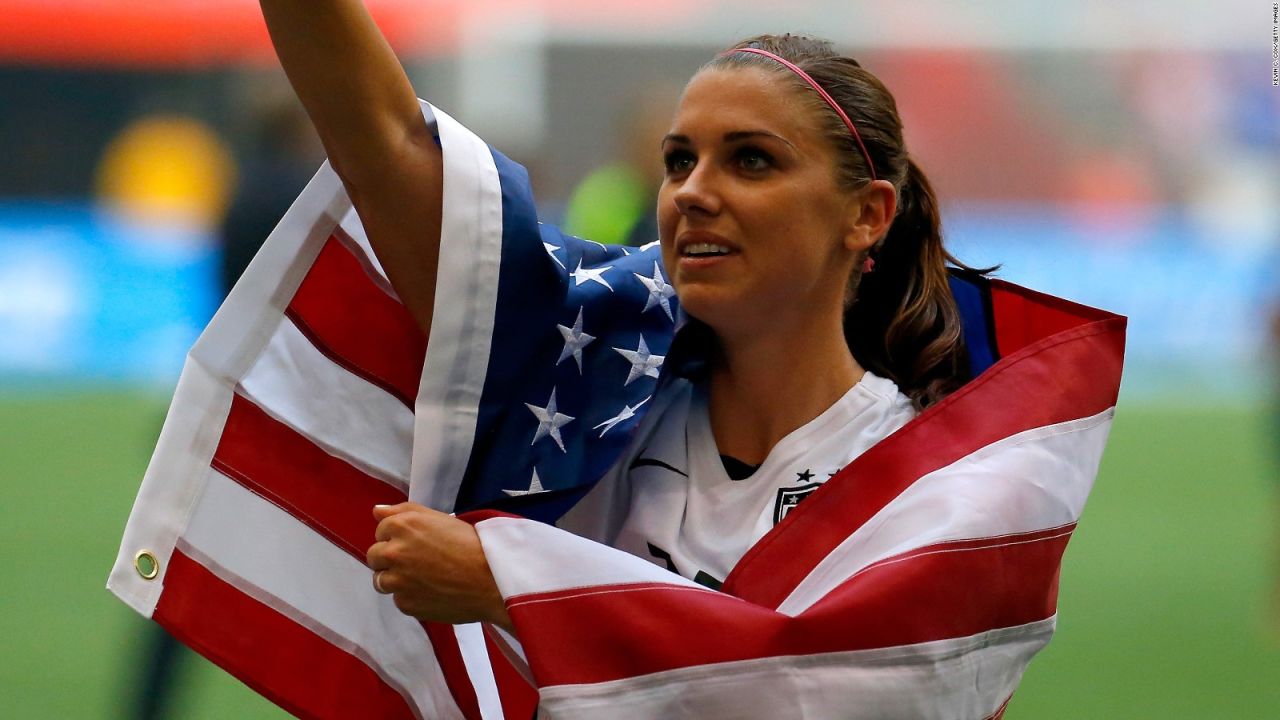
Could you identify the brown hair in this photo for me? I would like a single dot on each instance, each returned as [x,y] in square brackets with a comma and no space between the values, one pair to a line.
[901,320]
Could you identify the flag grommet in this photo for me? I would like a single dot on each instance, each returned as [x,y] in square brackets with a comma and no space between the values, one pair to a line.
[146,564]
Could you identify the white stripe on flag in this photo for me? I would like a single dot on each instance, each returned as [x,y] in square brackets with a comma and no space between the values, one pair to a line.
[256,304]
[958,678]
[364,251]
[448,402]
[475,656]
[562,560]
[316,584]
[1034,480]
[347,416]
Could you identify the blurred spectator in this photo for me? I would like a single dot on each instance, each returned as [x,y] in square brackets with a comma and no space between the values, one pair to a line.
[615,204]
[284,153]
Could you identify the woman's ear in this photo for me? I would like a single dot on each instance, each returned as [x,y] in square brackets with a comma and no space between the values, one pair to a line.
[871,212]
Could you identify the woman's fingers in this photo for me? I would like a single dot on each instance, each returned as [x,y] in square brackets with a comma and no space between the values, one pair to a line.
[383,532]
[382,512]
[391,524]
[433,566]
[378,561]
[376,558]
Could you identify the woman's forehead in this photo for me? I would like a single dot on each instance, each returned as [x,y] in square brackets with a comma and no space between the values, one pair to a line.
[721,100]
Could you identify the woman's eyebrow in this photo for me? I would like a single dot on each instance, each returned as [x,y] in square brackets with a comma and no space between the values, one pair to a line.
[747,134]
[732,136]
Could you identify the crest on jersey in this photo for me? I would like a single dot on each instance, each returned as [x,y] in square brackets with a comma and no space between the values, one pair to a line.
[789,497]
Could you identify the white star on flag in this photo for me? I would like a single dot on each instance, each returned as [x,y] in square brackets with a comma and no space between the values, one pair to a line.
[660,293]
[582,275]
[574,341]
[642,362]
[551,250]
[627,413]
[648,245]
[549,421]
[535,486]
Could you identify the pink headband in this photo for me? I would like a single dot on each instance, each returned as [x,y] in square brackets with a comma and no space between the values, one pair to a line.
[825,96]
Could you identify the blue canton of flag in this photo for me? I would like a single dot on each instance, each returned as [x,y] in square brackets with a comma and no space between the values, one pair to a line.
[580,336]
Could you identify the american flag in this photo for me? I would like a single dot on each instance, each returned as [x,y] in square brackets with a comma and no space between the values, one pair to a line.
[916,583]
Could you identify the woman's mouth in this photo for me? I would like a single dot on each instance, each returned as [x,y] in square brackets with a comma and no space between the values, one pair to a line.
[700,249]
[704,249]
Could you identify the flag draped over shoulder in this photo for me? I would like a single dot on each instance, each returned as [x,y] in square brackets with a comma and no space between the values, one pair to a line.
[916,583]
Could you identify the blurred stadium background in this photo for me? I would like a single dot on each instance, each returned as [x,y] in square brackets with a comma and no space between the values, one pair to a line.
[1123,154]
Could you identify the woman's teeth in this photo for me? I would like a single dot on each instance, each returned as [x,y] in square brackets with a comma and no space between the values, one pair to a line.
[705,249]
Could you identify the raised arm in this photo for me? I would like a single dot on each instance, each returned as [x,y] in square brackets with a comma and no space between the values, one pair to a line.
[368,118]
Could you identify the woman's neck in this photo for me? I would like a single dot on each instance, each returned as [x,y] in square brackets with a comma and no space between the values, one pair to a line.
[765,385]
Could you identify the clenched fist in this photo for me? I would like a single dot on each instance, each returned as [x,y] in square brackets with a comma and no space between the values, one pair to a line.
[434,567]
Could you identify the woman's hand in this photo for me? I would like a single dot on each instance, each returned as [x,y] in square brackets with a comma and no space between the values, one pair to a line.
[434,566]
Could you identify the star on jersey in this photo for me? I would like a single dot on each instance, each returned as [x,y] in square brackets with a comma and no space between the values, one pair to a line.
[582,275]
[574,341]
[535,487]
[627,413]
[643,363]
[549,421]
[551,250]
[660,293]
[805,476]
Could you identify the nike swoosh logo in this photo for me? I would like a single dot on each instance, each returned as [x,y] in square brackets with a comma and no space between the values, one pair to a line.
[650,462]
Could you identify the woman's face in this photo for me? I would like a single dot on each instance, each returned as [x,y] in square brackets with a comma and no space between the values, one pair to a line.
[752,223]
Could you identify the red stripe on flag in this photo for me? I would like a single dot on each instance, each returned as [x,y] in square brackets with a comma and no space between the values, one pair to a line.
[357,325]
[1012,396]
[952,589]
[287,663]
[519,698]
[276,462]
[449,655]
[1023,317]
[949,590]
[331,497]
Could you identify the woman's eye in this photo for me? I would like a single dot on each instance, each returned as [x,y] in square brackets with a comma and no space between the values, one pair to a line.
[754,160]
[678,161]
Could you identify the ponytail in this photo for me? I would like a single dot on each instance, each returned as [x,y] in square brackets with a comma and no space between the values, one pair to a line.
[903,322]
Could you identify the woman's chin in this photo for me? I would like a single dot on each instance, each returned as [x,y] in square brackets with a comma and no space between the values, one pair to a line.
[714,306]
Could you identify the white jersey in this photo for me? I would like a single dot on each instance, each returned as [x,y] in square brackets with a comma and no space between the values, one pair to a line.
[679,508]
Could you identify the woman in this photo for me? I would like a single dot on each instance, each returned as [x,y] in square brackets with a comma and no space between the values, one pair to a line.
[747,193]
[804,246]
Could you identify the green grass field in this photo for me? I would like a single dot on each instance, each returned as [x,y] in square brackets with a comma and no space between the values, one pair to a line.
[1161,614]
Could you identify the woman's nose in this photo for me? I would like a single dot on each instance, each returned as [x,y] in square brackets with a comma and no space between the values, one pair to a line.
[698,193]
